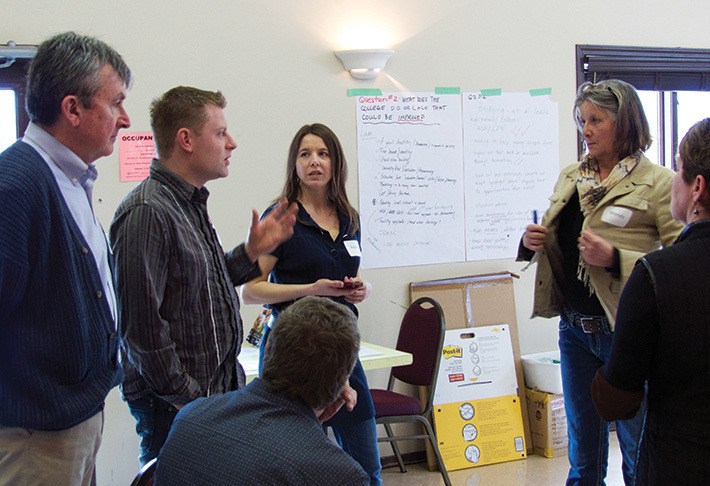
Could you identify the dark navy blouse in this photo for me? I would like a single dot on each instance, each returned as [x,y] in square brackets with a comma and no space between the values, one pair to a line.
[312,254]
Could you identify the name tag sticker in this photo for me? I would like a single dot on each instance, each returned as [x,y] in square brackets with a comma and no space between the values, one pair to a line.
[353,248]
[617,216]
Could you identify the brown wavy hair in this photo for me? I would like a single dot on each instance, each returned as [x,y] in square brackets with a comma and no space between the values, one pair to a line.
[336,187]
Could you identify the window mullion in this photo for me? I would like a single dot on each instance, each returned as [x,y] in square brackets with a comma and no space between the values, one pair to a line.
[673,114]
[662,128]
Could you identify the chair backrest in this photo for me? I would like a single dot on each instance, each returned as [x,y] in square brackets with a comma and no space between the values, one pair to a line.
[421,334]
[145,475]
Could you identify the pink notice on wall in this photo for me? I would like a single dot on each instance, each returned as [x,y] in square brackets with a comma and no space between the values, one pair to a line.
[135,151]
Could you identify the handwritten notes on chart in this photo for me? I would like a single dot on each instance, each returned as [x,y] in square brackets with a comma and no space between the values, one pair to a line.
[411,179]
[511,153]
[452,177]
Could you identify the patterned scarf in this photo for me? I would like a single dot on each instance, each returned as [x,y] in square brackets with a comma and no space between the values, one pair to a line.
[592,189]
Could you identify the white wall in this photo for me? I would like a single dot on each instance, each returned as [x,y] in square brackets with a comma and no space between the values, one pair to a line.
[273,60]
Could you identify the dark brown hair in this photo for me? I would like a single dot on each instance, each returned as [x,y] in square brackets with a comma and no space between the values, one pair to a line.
[336,188]
[312,351]
[694,149]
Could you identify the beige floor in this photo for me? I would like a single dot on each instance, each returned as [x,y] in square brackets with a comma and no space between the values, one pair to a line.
[533,471]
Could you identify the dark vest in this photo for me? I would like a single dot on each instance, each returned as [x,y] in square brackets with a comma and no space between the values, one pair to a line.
[676,442]
[681,279]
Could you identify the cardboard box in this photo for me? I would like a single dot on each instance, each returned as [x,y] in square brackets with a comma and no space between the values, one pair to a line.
[479,300]
[542,371]
[548,423]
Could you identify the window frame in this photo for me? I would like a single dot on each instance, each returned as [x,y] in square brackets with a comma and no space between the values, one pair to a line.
[14,77]
[659,69]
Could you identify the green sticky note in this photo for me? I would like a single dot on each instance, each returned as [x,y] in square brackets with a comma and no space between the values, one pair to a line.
[447,90]
[492,92]
[541,92]
[364,92]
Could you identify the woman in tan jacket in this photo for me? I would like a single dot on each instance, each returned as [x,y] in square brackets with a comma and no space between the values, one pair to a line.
[605,212]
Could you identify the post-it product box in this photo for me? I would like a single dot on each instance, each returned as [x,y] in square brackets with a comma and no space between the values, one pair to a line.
[477,412]
[479,300]
[548,423]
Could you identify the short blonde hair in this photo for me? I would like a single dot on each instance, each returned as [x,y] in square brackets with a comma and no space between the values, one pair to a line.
[180,107]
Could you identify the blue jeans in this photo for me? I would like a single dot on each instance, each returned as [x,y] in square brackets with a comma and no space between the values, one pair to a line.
[358,439]
[154,417]
[582,355]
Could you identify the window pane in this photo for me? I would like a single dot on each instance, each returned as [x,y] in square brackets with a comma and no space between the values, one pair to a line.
[8,118]
[649,100]
[693,106]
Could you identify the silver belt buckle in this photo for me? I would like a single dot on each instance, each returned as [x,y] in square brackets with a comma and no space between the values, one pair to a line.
[591,325]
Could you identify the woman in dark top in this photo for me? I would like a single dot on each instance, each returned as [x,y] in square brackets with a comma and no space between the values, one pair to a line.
[663,335]
[605,212]
[322,258]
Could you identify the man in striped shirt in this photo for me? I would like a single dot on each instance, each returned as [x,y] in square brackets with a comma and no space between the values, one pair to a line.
[180,329]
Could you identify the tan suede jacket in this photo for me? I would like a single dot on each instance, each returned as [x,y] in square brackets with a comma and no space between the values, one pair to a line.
[634,216]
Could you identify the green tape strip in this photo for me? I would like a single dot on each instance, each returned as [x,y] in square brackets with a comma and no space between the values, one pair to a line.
[492,92]
[541,92]
[364,91]
[446,90]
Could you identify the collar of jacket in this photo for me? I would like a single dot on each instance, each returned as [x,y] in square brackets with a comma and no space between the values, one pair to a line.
[642,175]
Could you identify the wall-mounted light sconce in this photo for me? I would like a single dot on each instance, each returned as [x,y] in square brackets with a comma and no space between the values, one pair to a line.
[364,63]
[11,51]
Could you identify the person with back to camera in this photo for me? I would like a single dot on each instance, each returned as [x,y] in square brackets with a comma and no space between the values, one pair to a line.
[662,335]
[270,432]
[605,212]
[322,258]
[59,346]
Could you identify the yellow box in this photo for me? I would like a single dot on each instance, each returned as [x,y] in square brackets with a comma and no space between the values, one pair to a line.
[548,423]
[480,432]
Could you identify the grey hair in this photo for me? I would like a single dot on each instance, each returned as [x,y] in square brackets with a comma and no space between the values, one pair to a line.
[68,64]
[624,106]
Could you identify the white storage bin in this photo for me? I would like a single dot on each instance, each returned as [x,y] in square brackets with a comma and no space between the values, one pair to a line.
[542,371]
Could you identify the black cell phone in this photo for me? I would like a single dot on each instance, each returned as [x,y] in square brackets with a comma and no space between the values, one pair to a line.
[351,284]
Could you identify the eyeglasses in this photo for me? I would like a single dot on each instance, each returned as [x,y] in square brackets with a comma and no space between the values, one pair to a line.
[596,88]
[616,94]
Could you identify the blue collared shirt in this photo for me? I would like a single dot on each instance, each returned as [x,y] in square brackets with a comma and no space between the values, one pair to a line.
[76,181]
